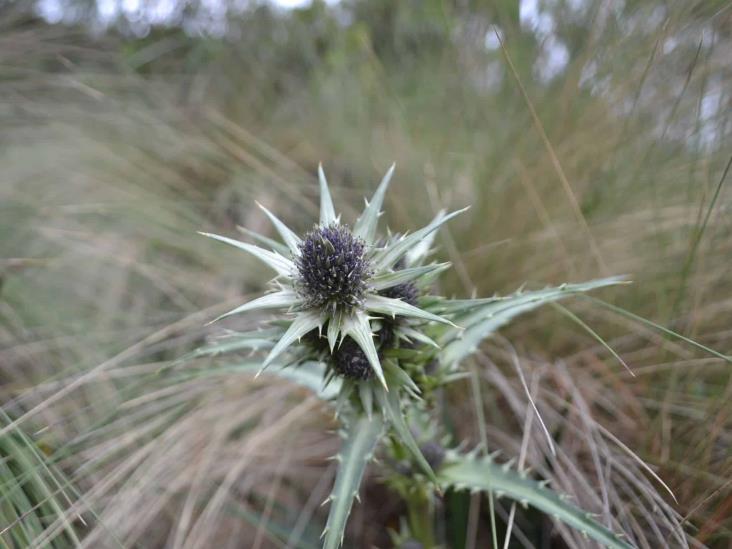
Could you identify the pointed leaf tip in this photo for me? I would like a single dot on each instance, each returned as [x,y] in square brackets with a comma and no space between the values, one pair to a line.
[302,324]
[365,226]
[327,210]
[279,263]
[358,327]
[273,300]
[390,306]
[288,236]
[393,253]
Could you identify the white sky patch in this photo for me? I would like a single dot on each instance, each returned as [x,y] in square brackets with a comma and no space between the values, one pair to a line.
[129,6]
[292,4]
[532,18]
[295,4]
[108,10]
[491,41]
[578,5]
[555,54]
[670,44]
[709,133]
[156,12]
[51,10]
[553,60]
[162,11]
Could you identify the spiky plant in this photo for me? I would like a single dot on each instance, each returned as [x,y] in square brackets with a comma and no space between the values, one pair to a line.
[359,317]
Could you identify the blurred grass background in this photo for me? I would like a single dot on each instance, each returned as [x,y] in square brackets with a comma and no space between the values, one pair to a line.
[593,142]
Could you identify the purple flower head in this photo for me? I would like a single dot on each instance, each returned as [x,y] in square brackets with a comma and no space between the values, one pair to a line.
[350,361]
[332,268]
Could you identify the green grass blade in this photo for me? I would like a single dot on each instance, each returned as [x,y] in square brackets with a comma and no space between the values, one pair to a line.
[469,473]
[577,320]
[660,328]
[33,493]
[362,436]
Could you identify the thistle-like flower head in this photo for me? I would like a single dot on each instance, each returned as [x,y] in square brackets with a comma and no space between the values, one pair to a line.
[407,292]
[332,268]
[350,361]
[336,280]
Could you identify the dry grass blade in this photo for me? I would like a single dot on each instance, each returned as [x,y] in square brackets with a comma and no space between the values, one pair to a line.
[555,161]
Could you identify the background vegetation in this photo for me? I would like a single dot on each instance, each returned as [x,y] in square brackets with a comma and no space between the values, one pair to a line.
[594,141]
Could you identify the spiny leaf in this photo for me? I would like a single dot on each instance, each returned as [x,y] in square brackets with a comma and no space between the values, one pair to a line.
[327,211]
[392,307]
[490,315]
[465,472]
[416,335]
[391,408]
[532,299]
[402,378]
[334,329]
[365,226]
[282,265]
[362,436]
[387,280]
[357,326]
[366,394]
[387,257]
[275,300]
[418,253]
[289,237]
[303,323]
[273,244]
[236,341]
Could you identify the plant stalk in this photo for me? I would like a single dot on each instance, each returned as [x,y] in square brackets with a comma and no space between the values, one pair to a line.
[420,509]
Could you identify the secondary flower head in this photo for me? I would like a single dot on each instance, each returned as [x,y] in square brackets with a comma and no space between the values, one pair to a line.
[336,280]
[350,361]
[407,292]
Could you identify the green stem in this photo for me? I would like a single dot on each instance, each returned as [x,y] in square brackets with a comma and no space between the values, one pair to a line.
[421,518]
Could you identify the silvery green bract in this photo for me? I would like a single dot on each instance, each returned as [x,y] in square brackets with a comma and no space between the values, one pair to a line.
[359,327]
